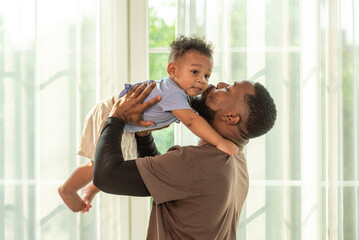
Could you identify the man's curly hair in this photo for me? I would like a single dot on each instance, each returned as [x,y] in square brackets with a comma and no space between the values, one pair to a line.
[183,44]
[262,112]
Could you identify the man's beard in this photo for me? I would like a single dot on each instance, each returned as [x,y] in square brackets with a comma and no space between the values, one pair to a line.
[199,105]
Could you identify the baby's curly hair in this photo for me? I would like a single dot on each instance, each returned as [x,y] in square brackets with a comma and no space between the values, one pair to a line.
[183,44]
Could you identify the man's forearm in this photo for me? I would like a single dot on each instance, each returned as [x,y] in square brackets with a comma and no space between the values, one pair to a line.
[111,173]
[146,146]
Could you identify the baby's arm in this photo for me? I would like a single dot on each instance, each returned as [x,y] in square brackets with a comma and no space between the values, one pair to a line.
[202,129]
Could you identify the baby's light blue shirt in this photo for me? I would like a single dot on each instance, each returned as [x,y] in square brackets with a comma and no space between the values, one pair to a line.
[173,98]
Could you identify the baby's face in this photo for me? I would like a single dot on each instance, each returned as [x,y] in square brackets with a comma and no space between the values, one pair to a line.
[192,72]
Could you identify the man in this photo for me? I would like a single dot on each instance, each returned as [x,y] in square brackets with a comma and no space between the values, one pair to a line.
[198,191]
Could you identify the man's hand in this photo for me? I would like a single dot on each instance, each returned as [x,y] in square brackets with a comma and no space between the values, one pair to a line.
[130,107]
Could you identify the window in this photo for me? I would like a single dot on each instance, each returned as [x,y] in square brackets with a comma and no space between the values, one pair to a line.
[58,58]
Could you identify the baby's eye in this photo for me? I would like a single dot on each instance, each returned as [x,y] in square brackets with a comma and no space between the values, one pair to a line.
[207,76]
[195,72]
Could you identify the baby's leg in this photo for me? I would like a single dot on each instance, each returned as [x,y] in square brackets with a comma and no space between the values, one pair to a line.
[68,191]
[89,192]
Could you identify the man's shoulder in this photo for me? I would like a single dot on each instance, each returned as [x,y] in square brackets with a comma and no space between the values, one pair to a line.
[199,151]
[206,152]
[192,147]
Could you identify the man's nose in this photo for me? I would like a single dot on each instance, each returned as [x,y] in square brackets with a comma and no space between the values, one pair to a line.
[222,85]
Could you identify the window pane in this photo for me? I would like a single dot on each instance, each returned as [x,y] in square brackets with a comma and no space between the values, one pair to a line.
[349,213]
[158,66]
[19,212]
[57,222]
[282,20]
[238,23]
[348,108]
[348,91]
[271,212]
[239,66]
[357,103]
[282,79]
[162,16]
[164,138]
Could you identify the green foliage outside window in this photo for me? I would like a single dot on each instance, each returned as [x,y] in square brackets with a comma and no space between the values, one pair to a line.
[161,36]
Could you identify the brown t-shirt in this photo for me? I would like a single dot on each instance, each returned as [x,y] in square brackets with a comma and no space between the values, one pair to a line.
[198,192]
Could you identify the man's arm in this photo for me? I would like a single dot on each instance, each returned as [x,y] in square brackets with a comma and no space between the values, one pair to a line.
[146,146]
[204,130]
[111,173]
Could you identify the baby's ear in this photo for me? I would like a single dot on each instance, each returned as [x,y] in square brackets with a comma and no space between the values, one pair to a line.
[231,118]
[171,70]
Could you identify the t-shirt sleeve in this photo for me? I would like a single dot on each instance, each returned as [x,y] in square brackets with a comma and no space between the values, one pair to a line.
[174,101]
[168,177]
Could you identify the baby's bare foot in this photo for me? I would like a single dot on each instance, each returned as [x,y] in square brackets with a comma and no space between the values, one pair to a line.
[89,192]
[72,200]
[87,208]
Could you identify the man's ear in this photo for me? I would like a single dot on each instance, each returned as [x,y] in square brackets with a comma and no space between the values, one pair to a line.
[171,70]
[231,118]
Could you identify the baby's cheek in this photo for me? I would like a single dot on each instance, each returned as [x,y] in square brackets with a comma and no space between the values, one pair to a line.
[189,92]
[192,93]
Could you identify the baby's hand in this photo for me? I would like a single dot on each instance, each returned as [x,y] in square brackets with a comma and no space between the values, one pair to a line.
[228,147]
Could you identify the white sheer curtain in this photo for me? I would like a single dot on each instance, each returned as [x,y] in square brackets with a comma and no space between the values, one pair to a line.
[304,173]
[57,59]
[48,83]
